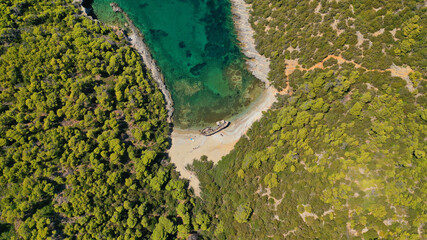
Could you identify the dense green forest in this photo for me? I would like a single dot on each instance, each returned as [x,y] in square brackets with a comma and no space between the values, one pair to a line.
[83,133]
[83,130]
[343,156]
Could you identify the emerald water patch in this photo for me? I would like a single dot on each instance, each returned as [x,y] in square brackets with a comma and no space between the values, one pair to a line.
[195,46]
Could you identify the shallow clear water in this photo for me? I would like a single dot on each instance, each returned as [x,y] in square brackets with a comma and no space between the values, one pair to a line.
[194,44]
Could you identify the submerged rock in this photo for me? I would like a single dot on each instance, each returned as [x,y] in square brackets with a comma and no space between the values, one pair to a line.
[197,69]
[181,44]
[116,7]
[158,33]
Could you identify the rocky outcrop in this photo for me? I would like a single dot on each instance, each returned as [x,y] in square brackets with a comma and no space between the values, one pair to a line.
[116,7]
[136,38]
[257,64]
[86,7]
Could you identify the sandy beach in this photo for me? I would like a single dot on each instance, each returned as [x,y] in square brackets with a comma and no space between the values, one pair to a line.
[188,145]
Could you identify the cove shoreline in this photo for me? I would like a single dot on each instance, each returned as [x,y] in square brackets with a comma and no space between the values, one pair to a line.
[136,40]
[257,64]
[188,144]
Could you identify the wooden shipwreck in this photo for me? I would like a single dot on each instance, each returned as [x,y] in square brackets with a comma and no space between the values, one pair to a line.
[212,130]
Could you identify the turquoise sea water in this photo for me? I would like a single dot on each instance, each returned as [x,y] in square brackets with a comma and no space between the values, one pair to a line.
[195,46]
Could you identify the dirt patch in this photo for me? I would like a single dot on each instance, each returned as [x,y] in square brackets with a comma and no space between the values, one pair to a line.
[396,71]
[402,72]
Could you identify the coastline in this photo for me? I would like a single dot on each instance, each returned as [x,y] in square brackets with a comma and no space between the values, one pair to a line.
[188,145]
[258,65]
[136,39]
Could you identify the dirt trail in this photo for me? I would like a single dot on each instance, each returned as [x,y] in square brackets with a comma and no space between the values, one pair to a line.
[292,65]
[396,71]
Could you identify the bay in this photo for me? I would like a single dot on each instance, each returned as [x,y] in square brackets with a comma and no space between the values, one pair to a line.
[195,46]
